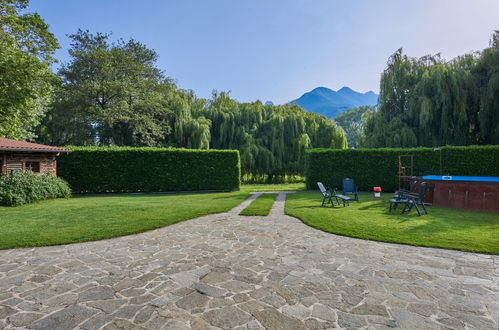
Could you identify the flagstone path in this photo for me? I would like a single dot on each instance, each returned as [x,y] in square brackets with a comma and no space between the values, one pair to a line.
[230,271]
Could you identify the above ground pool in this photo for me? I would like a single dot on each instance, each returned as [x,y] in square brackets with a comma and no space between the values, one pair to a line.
[480,193]
[461,178]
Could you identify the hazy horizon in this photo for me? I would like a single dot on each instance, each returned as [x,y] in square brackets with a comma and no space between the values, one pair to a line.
[273,52]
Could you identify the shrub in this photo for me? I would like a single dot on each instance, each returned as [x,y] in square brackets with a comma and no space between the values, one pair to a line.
[126,169]
[379,167]
[21,188]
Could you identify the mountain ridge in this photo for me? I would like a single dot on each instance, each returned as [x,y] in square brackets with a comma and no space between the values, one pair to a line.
[330,103]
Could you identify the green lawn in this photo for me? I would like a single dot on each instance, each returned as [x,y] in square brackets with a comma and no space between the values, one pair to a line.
[370,219]
[272,187]
[260,206]
[91,218]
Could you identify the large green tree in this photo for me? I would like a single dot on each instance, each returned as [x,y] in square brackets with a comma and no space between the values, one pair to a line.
[111,93]
[430,102]
[26,81]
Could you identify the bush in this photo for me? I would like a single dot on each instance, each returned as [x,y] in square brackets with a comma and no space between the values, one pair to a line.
[126,169]
[379,167]
[21,188]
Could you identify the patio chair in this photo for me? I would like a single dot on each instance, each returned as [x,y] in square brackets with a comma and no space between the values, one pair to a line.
[331,197]
[349,188]
[327,194]
[411,200]
[402,192]
[415,200]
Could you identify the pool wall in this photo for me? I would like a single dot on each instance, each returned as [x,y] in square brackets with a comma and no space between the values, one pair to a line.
[460,194]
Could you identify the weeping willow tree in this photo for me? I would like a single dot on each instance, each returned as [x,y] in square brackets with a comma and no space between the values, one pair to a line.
[430,102]
[272,139]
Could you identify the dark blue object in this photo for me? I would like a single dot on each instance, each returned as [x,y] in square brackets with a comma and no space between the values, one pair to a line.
[462,178]
[349,188]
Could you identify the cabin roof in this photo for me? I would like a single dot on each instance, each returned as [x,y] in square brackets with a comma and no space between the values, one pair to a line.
[14,145]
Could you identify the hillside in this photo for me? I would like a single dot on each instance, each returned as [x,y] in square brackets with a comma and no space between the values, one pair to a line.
[330,103]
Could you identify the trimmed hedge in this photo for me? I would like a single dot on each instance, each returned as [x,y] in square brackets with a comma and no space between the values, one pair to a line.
[126,169]
[379,167]
[21,188]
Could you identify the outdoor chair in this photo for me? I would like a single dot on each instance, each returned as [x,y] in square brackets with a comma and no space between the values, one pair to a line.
[331,197]
[411,200]
[402,192]
[349,188]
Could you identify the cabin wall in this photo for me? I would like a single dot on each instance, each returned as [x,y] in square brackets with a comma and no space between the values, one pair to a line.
[17,162]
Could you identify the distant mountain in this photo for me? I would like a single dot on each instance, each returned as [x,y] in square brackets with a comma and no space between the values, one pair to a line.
[330,103]
[269,103]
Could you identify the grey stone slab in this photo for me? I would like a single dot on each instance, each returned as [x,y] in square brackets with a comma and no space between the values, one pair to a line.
[97,293]
[274,320]
[67,318]
[227,317]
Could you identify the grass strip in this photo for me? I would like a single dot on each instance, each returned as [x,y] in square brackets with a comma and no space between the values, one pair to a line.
[260,206]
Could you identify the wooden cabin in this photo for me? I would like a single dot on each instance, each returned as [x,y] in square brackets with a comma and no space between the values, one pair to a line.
[26,156]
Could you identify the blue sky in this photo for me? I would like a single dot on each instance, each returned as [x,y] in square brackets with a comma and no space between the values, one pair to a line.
[278,49]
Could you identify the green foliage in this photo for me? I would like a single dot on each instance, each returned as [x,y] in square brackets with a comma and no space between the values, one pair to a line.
[352,121]
[260,206]
[379,167]
[272,139]
[21,188]
[26,81]
[369,219]
[430,102]
[112,91]
[127,169]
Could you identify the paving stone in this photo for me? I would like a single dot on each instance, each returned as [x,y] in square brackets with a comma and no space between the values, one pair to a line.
[406,319]
[274,300]
[97,293]
[271,319]
[176,325]
[209,290]
[216,277]
[6,311]
[165,300]
[96,321]
[227,317]
[107,306]
[120,324]
[144,314]
[346,320]
[192,301]
[297,311]
[323,312]
[67,318]
[23,319]
[370,309]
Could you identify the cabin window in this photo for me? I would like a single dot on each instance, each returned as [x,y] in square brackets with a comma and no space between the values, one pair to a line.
[33,167]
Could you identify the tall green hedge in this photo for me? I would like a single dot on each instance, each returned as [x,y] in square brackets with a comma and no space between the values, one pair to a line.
[379,167]
[126,169]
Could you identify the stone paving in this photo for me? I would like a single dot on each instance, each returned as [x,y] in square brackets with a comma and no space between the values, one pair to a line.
[227,271]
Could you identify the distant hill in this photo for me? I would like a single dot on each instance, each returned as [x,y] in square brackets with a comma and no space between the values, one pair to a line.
[330,103]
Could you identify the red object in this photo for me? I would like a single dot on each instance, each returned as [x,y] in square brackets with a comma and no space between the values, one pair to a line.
[377,189]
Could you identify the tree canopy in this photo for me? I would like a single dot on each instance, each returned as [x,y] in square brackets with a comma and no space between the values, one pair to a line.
[430,102]
[26,80]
